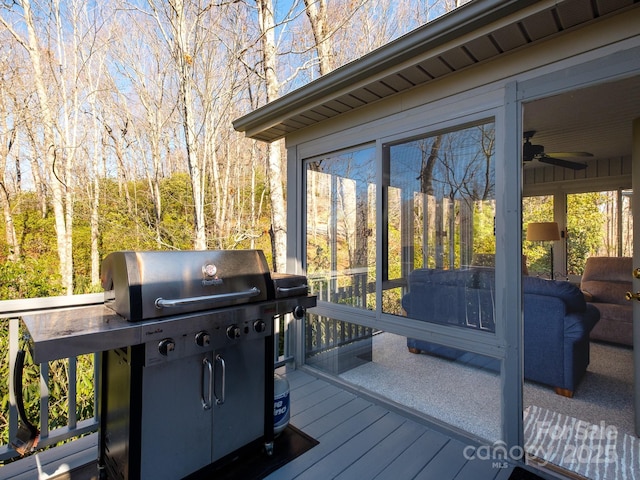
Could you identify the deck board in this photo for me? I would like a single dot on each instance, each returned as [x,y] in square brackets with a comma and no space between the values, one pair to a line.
[331,440]
[309,416]
[360,438]
[412,460]
[376,459]
[340,459]
[319,396]
[446,464]
[479,469]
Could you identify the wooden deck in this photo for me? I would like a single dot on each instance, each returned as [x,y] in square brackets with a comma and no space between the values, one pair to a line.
[359,437]
[362,438]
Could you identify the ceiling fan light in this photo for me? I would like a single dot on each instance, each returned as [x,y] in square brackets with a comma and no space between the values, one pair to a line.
[529,151]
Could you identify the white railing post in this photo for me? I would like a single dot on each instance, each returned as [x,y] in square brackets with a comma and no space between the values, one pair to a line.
[44,400]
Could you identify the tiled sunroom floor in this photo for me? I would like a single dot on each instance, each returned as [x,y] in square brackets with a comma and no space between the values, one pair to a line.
[360,438]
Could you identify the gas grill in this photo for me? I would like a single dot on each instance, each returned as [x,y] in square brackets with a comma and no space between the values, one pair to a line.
[186,377]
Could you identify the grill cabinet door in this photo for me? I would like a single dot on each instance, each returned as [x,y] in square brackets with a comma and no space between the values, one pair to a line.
[240,419]
[176,428]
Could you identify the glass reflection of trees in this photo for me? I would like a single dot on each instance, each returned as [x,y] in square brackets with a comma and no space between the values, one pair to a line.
[444,188]
[438,204]
[340,227]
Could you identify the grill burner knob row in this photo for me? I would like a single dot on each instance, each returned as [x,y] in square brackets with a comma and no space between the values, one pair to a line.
[165,346]
[233,332]
[259,326]
[203,339]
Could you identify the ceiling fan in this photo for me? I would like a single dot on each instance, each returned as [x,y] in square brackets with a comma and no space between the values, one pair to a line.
[536,152]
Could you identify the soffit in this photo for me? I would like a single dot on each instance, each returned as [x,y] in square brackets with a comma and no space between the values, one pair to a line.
[456,41]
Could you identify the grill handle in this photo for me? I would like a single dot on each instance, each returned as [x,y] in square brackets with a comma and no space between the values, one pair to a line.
[220,297]
[220,400]
[299,290]
[207,387]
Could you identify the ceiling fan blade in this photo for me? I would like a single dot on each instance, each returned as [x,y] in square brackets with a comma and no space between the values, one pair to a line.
[558,162]
[569,154]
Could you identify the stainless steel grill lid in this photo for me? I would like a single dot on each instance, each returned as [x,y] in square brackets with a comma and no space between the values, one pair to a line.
[153,284]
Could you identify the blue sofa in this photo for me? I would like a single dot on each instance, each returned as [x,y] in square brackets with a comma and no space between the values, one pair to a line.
[557,321]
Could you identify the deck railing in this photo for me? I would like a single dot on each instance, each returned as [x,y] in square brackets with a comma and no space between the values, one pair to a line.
[11,312]
[11,333]
[335,345]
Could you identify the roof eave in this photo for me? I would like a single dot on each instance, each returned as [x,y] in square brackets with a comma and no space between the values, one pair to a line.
[465,19]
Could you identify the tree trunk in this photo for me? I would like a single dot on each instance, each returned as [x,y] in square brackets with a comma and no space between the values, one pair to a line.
[317,13]
[274,170]
[70,130]
[184,61]
[5,199]
[10,232]
[94,198]
[56,171]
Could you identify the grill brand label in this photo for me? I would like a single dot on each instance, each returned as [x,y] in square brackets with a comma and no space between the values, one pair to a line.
[209,272]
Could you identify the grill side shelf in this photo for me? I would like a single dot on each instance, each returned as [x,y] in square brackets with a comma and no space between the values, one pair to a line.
[78,331]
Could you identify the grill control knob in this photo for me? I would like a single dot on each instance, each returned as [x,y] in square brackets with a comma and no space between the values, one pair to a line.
[167,345]
[259,326]
[233,332]
[203,338]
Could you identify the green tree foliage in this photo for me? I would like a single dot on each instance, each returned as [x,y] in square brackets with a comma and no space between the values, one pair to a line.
[484,240]
[585,222]
[126,222]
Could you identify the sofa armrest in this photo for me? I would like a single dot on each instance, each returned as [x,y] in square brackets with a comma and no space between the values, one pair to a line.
[577,326]
[567,292]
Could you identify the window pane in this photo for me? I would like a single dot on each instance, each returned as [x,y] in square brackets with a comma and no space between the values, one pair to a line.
[440,205]
[436,264]
[341,218]
[599,224]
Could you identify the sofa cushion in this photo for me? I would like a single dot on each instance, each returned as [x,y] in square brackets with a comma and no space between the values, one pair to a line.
[616,324]
[435,295]
[606,291]
[568,292]
[618,313]
[461,297]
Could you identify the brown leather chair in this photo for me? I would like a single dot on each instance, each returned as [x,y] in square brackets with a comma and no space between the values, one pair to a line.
[604,283]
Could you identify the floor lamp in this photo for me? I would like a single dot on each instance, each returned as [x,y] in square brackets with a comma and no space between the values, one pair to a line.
[544,232]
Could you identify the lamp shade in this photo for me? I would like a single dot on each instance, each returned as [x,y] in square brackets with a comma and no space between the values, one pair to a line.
[542,231]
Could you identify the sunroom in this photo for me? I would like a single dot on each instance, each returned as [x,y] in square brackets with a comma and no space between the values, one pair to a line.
[417,177]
